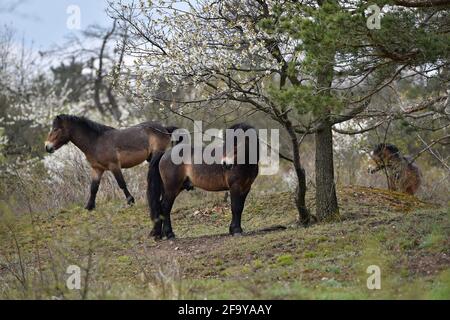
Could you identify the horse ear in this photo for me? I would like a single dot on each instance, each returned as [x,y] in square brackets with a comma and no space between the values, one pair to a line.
[57,121]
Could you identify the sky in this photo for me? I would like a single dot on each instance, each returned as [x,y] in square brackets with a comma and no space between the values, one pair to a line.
[43,23]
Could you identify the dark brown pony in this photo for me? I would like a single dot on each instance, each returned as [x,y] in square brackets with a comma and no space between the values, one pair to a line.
[402,174]
[173,178]
[107,148]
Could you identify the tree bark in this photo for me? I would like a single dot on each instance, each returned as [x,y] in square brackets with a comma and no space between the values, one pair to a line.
[300,192]
[326,200]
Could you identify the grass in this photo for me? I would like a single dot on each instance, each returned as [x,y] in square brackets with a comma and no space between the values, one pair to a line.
[408,239]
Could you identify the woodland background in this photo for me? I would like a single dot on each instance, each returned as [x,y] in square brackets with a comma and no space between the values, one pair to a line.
[313,69]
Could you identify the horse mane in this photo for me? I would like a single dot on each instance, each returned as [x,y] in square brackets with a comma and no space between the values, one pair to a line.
[241,125]
[404,174]
[390,147]
[171,129]
[96,127]
[245,127]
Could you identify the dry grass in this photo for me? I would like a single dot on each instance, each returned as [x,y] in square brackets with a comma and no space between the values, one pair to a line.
[406,237]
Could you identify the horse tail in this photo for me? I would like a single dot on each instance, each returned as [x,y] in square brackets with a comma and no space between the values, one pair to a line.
[154,186]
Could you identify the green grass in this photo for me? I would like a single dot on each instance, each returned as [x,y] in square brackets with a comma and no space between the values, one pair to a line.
[406,238]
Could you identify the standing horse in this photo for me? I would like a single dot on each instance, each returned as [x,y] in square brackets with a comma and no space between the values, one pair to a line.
[402,174]
[107,148]
[168,179]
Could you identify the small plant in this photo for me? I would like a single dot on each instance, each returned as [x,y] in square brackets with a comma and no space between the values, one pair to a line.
[285,260]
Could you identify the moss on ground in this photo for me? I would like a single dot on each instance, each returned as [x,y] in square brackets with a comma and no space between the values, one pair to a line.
[408,239]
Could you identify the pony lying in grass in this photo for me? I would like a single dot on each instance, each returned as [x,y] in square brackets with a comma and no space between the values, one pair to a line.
[107,148]
[402,174]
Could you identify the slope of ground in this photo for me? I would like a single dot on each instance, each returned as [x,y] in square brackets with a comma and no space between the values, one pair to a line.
[406,238]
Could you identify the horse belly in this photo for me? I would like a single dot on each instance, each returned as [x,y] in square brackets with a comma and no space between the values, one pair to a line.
[205,179]
[208,185]
[128,159]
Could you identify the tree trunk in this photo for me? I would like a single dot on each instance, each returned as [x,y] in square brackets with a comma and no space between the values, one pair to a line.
[300,190]
[326,200]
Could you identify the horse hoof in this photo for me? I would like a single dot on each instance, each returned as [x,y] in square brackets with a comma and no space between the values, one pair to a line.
[90,207]
[170,235]
[156,235]
[130,201]
[235,231]
[237,234]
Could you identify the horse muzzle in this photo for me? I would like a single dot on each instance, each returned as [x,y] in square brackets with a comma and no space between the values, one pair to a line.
[227,163]
[227,166]
[49,147]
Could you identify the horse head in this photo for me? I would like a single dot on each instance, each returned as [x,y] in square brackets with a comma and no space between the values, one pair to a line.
[382,156]
[58,136]
[241,146]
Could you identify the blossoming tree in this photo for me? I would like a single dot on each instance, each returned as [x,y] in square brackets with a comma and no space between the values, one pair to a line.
[309,65]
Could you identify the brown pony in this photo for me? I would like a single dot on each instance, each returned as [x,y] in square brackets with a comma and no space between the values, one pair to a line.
[401,173]
[107,148]
[168,179]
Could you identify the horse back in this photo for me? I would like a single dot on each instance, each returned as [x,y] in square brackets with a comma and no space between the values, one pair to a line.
[149,135]
[131,146]
[408,177]
[158,137]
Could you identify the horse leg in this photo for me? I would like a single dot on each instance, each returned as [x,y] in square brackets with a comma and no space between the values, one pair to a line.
[155,190]
[156,232]
[155,213]
[96,176]
[166,206]
[237,206]
[122,185]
